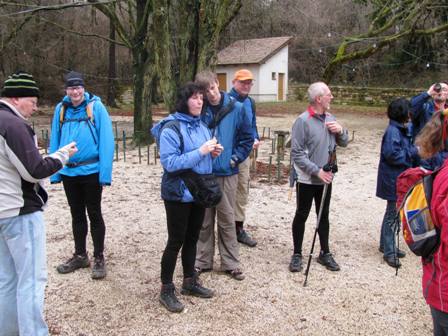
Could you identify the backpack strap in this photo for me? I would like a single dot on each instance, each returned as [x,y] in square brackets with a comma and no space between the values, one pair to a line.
[89,112]
[175,126]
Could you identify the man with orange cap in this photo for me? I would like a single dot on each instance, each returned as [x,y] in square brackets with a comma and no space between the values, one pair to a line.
[242,84]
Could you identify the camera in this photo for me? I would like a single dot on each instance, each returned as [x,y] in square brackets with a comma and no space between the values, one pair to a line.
[437,87]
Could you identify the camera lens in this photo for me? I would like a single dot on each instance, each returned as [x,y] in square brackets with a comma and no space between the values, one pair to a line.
[437,87]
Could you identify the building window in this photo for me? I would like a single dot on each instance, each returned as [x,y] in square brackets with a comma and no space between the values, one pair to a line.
[274,76]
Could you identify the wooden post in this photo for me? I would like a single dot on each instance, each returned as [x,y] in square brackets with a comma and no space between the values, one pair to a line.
[269,168]
[147,154]
[116,151]
[124,146]
[116,129]
[139,154]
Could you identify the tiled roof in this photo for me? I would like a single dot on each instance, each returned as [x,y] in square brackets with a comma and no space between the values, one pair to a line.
[253,51]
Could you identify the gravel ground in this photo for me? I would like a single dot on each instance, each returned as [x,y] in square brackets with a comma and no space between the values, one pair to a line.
[364,298]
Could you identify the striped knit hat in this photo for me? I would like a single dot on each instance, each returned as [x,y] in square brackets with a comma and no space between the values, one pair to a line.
[20,84]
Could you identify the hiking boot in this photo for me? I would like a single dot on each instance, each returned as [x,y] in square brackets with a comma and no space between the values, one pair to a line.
[400,253]
[236,274]
[99,268]
[244,238]
[168,299]
[296,263]
[328,261]
[392,261]
[192,287]
[75,262]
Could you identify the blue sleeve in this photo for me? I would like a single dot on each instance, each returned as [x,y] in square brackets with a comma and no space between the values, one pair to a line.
[393,150]
[55,137]
[106,142]
[244,137]
[171,156]
[417,108]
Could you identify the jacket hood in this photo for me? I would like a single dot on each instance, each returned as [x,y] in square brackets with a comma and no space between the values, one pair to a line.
[193,121]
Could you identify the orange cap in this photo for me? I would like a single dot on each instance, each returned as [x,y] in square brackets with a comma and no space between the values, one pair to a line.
[243,75]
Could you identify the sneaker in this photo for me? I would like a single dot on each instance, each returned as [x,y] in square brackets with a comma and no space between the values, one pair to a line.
[400,253]
[244,238]
[392,261]
[192,287]
[328,261]
[169,300]
[296,263]
[236,274]
[75,262]
[99,270]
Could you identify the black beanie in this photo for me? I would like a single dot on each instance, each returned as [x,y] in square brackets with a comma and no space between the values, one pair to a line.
[20,84]
[74,78]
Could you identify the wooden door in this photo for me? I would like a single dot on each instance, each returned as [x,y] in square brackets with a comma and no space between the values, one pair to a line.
[281,79]
[222,79]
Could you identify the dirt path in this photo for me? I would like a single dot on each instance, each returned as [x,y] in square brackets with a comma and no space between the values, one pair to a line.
[364,298]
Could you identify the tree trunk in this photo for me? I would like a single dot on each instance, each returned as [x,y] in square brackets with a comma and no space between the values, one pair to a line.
[112,76]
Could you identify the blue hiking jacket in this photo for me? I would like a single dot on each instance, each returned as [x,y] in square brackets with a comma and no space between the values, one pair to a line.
[422,109]
[397,155]
[234,133]
[95,140]
[247,104]
[173,159]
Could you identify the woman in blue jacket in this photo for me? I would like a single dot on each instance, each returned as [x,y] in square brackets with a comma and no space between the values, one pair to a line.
[397,154]
[193,150]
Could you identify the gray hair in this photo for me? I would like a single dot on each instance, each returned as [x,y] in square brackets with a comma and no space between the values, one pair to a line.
[316,90]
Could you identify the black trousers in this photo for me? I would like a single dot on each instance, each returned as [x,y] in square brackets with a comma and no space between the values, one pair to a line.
[184,222]
[305,195]
[84,193]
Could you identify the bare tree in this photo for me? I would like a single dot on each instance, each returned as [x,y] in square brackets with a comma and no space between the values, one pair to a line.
[390,22]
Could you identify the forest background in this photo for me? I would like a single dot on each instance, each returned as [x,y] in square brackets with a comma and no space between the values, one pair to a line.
[154,46]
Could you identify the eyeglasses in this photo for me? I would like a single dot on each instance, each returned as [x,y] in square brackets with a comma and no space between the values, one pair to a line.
[247,82]
[75,88]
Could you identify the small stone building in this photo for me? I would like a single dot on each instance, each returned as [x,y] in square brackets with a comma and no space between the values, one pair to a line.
[267,58]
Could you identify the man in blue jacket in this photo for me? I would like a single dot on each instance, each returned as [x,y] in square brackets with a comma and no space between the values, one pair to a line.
[83,118]
[242,84]
[231,126]
[423,107]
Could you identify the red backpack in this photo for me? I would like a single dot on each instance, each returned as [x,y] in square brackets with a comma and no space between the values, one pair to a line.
[414,193]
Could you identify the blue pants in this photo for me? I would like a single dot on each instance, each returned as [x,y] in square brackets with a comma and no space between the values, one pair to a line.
[440,322]
[387,239]
[23,275]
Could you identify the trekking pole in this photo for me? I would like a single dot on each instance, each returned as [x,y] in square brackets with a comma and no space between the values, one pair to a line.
[333,167]
[324,194]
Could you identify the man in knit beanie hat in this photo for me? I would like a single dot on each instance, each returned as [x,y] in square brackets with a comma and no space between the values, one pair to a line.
[23,273]
[81,116]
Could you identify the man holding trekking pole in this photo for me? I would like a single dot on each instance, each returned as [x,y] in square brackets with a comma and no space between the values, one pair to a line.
[314,136]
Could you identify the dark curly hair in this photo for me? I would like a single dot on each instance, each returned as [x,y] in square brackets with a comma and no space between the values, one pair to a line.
[184,93]
[398,110]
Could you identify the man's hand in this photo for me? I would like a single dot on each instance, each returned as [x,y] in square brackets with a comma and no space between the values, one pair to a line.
[334,127]
[70,148]
[257,143]
[325,177]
